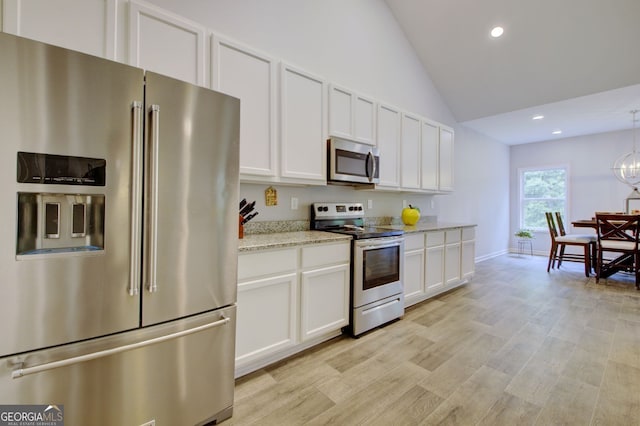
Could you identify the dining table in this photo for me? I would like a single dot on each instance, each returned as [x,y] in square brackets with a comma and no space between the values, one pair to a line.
[585,223]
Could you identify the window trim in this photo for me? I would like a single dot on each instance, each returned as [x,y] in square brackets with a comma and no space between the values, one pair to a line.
[522,170]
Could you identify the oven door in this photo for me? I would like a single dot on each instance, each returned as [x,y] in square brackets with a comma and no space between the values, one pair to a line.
[377,269]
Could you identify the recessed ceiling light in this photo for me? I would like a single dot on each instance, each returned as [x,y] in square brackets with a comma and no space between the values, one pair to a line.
[537,117]
[556,132]
[497,32]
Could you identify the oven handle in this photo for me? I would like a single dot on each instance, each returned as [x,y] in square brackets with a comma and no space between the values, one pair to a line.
[371,244]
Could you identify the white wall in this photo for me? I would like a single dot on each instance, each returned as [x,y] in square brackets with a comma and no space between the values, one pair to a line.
[481,193]
[355,43]
[592,185]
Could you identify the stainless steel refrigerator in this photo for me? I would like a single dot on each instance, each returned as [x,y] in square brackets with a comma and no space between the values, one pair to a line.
[118,240]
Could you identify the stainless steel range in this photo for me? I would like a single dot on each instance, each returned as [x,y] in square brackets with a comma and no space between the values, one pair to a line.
[377,256]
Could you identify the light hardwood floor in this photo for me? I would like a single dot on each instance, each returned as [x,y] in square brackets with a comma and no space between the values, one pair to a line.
[515,346]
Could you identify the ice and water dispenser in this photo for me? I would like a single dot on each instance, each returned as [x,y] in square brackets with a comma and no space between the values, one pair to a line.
[68,221]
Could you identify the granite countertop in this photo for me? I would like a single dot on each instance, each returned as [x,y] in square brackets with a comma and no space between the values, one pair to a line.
[273,238]
[428,226]
[253,242]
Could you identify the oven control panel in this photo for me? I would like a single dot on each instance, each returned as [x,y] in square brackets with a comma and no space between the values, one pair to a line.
[336,210]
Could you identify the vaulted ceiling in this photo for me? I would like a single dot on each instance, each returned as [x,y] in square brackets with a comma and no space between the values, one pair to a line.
[577,62]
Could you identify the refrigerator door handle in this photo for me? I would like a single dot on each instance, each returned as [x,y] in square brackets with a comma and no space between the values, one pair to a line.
[153,237]
[21,372]
[136,199]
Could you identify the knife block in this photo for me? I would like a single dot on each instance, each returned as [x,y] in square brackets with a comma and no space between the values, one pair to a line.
[240,227]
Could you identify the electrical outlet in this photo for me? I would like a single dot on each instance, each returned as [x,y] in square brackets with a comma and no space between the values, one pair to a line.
[294,203]
[433,203]
[149,423]
[404,204]
[369,204]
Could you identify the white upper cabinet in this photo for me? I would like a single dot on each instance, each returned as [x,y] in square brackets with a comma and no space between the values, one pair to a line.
[87,26]
[389,119]
[351,115]
[446,159]
[250,76]
[430,155]
[410,149]
[166,43]
[340,112]
[303,126]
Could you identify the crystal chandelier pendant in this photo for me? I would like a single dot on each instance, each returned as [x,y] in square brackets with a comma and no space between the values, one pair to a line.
[627,168]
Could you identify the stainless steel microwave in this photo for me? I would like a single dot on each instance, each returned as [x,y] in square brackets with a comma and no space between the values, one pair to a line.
[352,162]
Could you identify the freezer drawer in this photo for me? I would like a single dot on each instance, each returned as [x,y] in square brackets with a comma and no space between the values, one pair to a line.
[176,373]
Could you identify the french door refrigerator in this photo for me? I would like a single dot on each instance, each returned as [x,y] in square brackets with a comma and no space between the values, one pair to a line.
[118,240]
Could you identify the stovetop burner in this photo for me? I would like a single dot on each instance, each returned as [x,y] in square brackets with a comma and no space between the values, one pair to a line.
[348,219]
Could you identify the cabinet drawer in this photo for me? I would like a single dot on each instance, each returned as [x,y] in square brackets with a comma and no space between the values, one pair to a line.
[468,233]
[414,241]
[266,263]
[325,254]
[453,236]
[435,238]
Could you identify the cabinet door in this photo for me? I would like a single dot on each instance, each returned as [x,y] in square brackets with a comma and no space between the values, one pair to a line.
[166,43]
[303,126]
[468,259]
[341,103]
[388,141]
[324,299]
[452,273]
[430,156]
[351,116]
[410,146]
[364,126]
[468,252]
[249,76]
[434,269]
[413,276]
[266,317]
[446,159]
[85,26]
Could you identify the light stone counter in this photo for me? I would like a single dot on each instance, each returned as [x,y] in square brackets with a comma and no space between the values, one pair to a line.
[253,242]
[428,226]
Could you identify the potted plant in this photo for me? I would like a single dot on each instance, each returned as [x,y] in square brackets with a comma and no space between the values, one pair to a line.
[525,234]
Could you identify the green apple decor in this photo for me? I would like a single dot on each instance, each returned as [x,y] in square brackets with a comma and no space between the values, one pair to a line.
[410,215]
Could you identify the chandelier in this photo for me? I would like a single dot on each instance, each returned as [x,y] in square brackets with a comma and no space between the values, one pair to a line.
[627,168]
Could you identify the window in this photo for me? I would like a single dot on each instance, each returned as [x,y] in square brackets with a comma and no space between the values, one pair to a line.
[542,190]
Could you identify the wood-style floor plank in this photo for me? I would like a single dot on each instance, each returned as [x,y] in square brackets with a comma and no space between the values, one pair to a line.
[516,346]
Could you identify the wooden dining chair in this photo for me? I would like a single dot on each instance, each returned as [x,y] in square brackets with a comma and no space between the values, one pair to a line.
[618,234]
[559,243]
[592,237]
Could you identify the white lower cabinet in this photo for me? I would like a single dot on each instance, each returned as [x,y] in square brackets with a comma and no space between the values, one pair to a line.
[468,252]
[324,298]
[261,330]
[434,263]
[413,268]
[445,261]
[288,300]
[452,272]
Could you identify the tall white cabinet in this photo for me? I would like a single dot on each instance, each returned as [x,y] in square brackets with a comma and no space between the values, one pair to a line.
[388,142]
[250,76]
[166,43]
[303,109]
[86,26]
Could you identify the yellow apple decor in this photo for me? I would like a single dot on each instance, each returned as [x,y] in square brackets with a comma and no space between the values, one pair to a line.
[410,215]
